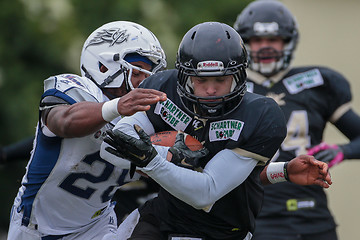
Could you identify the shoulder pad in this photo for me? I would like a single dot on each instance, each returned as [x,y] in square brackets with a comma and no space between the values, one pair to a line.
[76,87]
[50,101]
[63,82]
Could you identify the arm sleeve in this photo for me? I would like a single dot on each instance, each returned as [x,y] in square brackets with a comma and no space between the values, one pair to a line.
[126,125]
[19,150]
[349,125]
[338,96]
[224,172]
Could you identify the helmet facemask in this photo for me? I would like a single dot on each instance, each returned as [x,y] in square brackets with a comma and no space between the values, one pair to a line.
[213,107]
[211,49]
[268,19]
[281,58]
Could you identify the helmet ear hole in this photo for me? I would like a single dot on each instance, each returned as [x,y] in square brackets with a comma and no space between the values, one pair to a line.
[102,68]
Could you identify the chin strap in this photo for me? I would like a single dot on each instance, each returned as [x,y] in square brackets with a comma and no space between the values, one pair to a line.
[107,81]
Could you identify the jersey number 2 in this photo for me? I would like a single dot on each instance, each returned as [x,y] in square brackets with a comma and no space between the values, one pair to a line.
[69,183]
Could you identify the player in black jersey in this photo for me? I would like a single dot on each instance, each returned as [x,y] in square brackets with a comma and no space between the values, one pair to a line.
[309,97]
[17,151]
[206,98]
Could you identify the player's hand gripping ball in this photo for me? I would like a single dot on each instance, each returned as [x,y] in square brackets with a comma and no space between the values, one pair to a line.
[186,150]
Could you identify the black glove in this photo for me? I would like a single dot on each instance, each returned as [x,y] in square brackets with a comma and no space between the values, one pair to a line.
[183,156]
[138,151]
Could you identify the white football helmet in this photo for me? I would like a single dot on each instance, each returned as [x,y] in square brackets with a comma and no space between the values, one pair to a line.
[108,46]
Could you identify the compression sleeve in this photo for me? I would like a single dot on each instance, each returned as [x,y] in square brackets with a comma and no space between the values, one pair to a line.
[225,171]
[126,125]
[349,125]
[18,151]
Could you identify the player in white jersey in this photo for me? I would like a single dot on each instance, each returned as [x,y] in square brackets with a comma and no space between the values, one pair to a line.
[67,188]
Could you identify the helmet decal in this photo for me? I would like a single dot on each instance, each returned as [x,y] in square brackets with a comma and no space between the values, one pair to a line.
[210,65]
[261,28]
[112,36]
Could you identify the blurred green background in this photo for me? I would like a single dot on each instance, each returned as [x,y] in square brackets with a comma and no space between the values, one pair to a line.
[40,38]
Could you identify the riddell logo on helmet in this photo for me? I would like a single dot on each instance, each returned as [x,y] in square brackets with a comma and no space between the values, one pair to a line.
[208,65]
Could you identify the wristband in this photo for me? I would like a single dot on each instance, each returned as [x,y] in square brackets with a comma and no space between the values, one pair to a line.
[109,110]
[286,175]
[275,172]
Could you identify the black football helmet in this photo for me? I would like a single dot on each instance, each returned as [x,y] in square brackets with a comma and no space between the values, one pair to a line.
[211,49]
[268,18]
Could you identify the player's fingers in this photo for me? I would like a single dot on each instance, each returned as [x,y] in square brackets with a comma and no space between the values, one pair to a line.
[203,152]
[179,137]
[136,108]
[321,183]
[142,134]
[307,158]
[110,133]
[325,175]
[328,178]
[147,96]
[323,167]
[109,141]
[152,92]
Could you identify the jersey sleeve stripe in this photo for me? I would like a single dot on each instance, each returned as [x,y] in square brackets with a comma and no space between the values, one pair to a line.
[262,160]
[340,111]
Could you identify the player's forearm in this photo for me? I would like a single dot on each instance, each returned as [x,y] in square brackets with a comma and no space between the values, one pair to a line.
[349,125]
[75,120]
[222,174]
[263,178]
[18,151]
[352,149]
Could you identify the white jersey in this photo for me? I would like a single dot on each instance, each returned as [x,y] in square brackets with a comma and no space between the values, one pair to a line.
[67,185]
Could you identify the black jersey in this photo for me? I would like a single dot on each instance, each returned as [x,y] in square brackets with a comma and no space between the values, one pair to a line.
[309,98]
[256,129]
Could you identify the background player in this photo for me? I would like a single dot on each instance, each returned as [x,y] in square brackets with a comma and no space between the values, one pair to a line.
[67,188]
[17,151]
[309,97]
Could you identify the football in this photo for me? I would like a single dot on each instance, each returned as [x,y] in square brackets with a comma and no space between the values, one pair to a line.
[167,139]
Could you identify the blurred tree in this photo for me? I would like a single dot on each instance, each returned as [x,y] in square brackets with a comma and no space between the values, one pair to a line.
[41,38]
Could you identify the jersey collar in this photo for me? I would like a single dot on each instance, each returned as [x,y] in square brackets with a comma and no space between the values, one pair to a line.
[266,81]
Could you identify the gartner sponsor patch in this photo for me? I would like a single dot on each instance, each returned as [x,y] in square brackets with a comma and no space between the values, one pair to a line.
[172,115]
[225,129]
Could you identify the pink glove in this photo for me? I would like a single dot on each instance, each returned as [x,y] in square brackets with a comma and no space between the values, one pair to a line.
[330,154]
